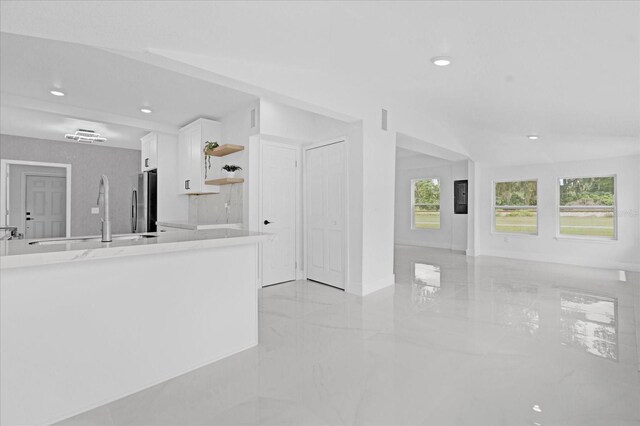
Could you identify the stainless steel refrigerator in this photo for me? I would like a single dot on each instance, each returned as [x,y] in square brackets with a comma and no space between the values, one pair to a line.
[144,203]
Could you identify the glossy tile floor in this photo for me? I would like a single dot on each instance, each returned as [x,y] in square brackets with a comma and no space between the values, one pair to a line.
[484,341]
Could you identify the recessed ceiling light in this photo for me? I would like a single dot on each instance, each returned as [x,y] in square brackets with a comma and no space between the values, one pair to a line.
[441,61]
[56,93]
[533,137]
[145,110]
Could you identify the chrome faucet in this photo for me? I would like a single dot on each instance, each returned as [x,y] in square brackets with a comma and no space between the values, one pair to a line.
[103,195]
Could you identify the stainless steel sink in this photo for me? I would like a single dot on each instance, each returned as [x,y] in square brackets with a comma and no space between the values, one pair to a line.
[126,237]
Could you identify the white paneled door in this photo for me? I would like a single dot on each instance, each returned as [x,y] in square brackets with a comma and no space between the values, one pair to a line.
[279,213]
[46,204]
[325,218]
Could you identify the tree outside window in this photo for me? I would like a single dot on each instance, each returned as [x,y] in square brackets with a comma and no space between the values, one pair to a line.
[425,203]
[587,207]
[516,207]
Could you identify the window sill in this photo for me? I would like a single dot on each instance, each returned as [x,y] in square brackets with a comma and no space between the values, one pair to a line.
[508,234]
[603,240]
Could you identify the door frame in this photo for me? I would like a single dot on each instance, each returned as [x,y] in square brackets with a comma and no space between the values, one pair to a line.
[345,237]
[265,140]
[4,189]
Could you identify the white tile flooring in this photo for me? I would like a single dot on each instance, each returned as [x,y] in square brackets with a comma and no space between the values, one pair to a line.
[458,341]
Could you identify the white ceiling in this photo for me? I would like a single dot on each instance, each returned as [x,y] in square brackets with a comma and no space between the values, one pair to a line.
[50,126]
[564,69]
[104,92]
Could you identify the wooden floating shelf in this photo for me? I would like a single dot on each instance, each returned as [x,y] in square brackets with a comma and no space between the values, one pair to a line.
[223,181]
[223,150]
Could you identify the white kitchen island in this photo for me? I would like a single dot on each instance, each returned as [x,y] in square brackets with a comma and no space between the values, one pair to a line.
[83,324]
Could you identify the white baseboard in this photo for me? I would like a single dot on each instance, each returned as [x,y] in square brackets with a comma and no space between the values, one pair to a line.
[427,244]
[567,260]
[423,244]
[354,288]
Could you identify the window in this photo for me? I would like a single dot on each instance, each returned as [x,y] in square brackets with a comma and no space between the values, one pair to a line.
[516,207]
[587,207]
[425,203]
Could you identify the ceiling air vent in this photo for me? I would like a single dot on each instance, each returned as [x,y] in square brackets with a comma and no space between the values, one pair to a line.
[84,135]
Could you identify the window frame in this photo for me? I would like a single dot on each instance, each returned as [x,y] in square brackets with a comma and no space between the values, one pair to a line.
[413,203]
[494,231]
[594,238]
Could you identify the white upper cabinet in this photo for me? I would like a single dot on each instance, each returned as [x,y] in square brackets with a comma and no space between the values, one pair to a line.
[149,158]
[191,165]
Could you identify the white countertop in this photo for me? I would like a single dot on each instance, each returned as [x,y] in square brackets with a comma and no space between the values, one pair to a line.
[183,224]
[19,253]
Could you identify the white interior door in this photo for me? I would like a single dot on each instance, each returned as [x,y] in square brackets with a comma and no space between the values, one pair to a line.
[325,183]
[278,213]
[45,206]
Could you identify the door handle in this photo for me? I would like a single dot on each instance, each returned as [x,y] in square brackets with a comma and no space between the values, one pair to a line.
[266,222]
[29,218]
[187,184]
[146,162]
[134,211]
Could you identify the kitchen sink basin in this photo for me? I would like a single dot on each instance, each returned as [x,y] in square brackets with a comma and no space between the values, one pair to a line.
[126,237]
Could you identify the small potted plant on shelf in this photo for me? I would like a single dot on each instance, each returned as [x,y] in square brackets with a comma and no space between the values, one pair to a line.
[208,146]
[231,170]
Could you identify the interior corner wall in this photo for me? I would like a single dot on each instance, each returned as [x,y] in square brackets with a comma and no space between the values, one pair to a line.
[453,227]
[623,253]
[88,163]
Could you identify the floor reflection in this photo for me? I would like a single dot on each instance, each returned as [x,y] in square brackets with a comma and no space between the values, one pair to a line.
[589,322]
[517,306]
[482,348]
[426,283]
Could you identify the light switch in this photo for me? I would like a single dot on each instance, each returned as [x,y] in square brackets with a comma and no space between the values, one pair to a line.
[95,210]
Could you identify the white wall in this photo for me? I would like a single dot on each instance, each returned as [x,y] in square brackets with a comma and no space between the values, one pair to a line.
[623,253]
[210,208]
[371,186]
[298,125]
[284,124]
[472,216]
[459,171]
[377,213]
[88,162]
[453,227]
[354,214]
